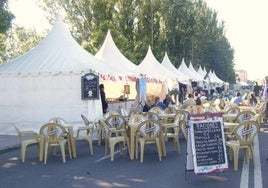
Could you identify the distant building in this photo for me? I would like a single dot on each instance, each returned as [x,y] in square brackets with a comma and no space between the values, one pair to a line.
[242,75]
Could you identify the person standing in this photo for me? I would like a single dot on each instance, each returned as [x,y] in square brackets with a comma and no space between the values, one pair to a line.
[197,98]
[103,99]
[188,102]
[238,99]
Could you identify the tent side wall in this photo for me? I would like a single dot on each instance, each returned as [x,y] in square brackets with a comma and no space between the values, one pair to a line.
[29,101]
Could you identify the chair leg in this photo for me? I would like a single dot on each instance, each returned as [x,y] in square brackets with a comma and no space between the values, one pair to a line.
[246,152]
[90,146]
[178,145]
[141,150]
[62,148]
[46,151]
[69,147]
[128,147]
[112,145]
[121,145]
[252,154]
[236,153]
[23,151]
[89,140]
[106,147]
[159,149]
[137,148]
[99,136]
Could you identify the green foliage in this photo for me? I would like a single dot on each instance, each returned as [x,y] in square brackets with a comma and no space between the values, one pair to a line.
[5,17]
[18,41]
[182,28]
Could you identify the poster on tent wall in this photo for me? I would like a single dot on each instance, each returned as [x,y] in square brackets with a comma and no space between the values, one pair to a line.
[90,87]
[142,90]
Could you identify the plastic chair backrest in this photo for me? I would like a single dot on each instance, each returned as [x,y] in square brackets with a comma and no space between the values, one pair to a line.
[136,119]
[134,112]
[170,110]
[157,110]
[107,114]
[123,112]
[183,113]
[85,120]
[246,131]
[116,121]
[149,129]
[233,110]
[58,120]
[152,116]
[52,131]
[244,115]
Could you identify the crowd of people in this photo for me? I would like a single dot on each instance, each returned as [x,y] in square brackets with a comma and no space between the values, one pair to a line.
[194,98]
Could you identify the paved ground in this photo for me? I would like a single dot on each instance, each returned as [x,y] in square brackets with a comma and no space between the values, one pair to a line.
[98,171]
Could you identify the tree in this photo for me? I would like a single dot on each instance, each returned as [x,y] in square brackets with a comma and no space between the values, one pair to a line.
[183,28]
[6,18]
[19,40]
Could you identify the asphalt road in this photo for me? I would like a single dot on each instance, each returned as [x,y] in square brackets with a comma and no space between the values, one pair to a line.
[98,171]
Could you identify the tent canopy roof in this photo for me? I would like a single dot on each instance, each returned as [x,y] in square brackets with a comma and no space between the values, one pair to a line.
[181,76]
[152,68]
[111,55]
[57,53]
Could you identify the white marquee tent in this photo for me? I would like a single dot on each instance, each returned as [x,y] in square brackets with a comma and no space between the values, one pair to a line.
[112,56]
[201,71]
[45,82]
[126,71]
[183,68]
[198,76]
[153,69]
[181,76]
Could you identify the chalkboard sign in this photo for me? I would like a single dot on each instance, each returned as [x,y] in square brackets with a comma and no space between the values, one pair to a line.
[207,143]
[90,86]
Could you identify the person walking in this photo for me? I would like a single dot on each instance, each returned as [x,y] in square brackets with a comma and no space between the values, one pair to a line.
[103,99]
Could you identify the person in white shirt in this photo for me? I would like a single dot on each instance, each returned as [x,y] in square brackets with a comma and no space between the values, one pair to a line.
[189,101]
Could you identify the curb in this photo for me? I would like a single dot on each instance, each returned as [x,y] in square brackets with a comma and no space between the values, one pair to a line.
[9,148]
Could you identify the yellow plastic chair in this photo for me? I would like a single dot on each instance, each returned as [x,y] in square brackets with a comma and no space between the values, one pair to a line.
[115,133]
[183,114]
[244,137]
[170,110]
[58,120]
[149,132]
[86,132]
[152,116]
[261,109]
[232,109]
[157,110]
[101,135]
[123,112]
[136,119]
[109,113]
[172,130]
[52,135]
[134,112]
[26,138]
[244,115]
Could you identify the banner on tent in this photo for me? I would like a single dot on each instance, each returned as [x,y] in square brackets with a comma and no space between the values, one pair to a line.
[90,86]
[206,150]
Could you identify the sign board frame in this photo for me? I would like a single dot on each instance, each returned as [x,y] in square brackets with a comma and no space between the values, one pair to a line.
[206,149]
[90,87]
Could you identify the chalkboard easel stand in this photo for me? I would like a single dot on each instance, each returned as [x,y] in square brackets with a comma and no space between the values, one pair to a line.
[187,154]
[206,151]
